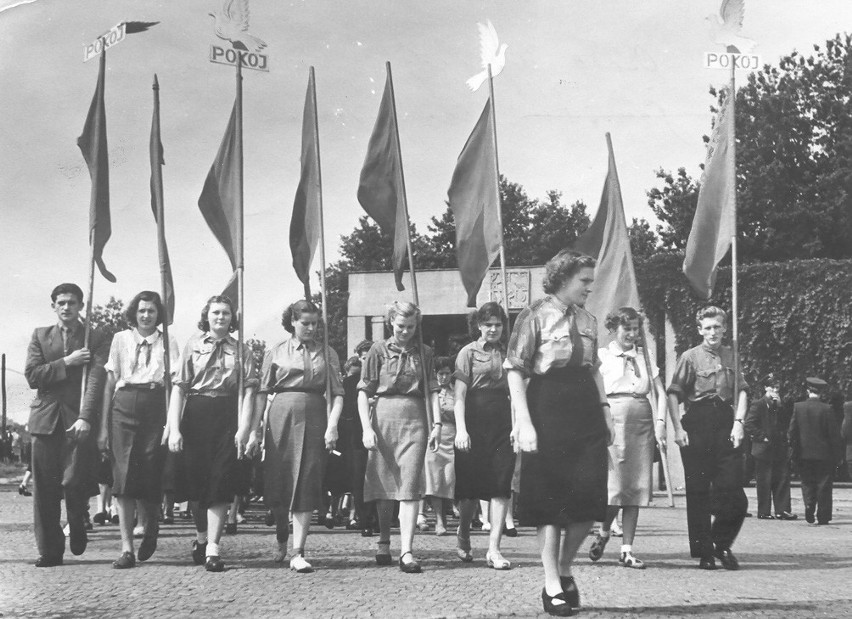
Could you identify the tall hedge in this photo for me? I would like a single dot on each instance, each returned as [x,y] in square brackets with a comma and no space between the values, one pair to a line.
[795,318]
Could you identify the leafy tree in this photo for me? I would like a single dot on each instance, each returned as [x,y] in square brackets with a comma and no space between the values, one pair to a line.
[794,162]
[643,240]
[110,318]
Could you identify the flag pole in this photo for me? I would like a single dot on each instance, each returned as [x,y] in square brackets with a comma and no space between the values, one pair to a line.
[499,200]
[240,298]
[732,145]
[424,377]
[157,188]
[325,347]
[653,400]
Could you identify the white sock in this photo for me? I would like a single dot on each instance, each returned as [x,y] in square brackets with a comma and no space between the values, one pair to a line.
[627,548]
[201,537]
[212,549]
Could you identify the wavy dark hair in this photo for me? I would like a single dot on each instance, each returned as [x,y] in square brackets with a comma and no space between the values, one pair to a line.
[491,309]
[622,318]
[204,323]
[294,311]
[145,295]
[66,289]
[562,267]
[444,363]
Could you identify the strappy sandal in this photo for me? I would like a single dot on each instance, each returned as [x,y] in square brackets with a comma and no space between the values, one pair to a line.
[628,560]
[496,561]
[384,558]
[463,548]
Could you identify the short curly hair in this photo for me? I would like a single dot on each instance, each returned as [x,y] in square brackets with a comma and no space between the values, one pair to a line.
[622,317]
[562,267]
[491,309]
[711,311]
[294,312]
[204,323]
[444,363]
[67,289]
[151,297]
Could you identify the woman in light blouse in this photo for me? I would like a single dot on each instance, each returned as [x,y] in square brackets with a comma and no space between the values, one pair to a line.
[300,426]
[399,374]
[209,427]
[485,460]
[563,424]
[134,414]
[440,463]
[628,388]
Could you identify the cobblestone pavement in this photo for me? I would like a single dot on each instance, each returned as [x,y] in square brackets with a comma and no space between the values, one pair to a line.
[789,569]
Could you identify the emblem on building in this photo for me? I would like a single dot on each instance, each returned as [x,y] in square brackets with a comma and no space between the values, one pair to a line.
[518,281]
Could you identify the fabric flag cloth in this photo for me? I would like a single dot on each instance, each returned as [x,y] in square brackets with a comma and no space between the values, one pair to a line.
[220,200]
[714,225]
[474,200]
[380,189]
[156,153]
[608,240]
[93,145]
[305,223]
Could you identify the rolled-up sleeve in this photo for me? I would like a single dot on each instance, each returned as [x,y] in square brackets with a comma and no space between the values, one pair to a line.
[464,366]
[334,373]
[683,378]
[370,371]
[250,369]
[186,371]
[520,353]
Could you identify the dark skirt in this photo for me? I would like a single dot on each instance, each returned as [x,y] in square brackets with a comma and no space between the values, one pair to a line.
[294,463]
[338,472]
[136,431]
[208,471]
[485,472]
[565,481]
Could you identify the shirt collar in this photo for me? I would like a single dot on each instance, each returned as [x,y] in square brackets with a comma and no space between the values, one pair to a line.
[488,346]
[616,350]
[209,338]
[71,329]
[137,337]
[393,346]
[713,351]
[568,310]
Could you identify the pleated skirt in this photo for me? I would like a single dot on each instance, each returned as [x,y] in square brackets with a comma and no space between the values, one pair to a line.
[395,467]
[136,431]
[294,463]
[632,452]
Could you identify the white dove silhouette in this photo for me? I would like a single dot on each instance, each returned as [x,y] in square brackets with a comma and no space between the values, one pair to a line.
[492,53]
[726,30]
[231,24]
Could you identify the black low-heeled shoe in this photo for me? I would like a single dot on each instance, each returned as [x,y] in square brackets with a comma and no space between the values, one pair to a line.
[46,561]
[125,561]
[572,593]
[413,567]
[557,610]
[23,491]
[214,564]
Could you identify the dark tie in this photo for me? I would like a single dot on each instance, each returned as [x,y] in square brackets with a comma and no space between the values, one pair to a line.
[576,359]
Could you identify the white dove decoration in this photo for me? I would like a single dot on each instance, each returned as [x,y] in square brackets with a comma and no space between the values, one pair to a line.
[726,27]
[231,24]
[492,53]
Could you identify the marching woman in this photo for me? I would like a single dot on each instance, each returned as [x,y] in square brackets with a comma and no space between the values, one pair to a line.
[205,425]
[134,415]
[440,463]
[397,436]
[485,460]
[299,426]
[628,387]
[563,423]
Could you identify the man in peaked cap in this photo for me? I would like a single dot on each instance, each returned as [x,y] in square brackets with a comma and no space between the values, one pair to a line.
[815,438]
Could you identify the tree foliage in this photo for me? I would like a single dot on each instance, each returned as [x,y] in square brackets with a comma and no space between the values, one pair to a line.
[110,318]
[794,161]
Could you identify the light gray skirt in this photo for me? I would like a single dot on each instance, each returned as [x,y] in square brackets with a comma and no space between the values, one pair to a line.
[632,452]
[395,467]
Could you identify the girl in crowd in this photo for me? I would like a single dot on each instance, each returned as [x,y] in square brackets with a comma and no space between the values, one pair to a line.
[485,460]
[628,388]
[396,372]
[207,424]
[298,371]
[440,465]
[563,422]
[134,415]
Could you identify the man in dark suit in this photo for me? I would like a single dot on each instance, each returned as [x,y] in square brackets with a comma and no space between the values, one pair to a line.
[769,448]
[64,450]
[815,438]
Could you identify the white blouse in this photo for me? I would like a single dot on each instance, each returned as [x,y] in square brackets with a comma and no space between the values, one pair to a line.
[137,360]
[624,371]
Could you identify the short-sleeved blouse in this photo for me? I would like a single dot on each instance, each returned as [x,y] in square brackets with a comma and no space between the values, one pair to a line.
[297,365]
[541,339]
[208,366]
[624,371]
[479,365]
[138,360]
[447,403]
[390,370]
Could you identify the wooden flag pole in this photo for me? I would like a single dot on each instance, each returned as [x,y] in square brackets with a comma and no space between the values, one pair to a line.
[732,145]
[423,377]
[325,346]
[499,200]
[157,173]
[652,393]
[241,379]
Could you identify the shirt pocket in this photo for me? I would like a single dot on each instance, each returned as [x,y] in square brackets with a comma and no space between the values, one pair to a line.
[482,361]
[705,381]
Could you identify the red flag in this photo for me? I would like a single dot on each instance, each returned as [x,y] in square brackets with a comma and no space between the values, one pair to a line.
[608,240]
[221,198]
[305,223]
[93,145]
[156,153]
[714,224]
[381,189]
[475,202]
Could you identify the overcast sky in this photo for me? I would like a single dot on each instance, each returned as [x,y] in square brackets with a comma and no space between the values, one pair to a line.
[575,70]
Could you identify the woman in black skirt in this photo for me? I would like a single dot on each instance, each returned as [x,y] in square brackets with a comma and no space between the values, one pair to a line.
[485,460]
[208,426]
[563,423]
[134,414]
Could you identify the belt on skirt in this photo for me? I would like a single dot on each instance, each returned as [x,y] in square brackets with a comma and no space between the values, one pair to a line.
[297,390]
[638,396]
[140,387]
